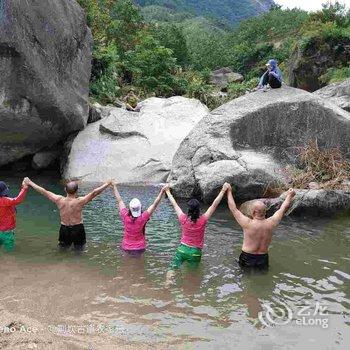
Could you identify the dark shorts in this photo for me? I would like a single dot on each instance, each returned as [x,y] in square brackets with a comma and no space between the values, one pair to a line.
[72,235]
[254,261]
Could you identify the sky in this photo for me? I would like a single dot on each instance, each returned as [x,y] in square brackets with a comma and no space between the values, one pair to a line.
[308,5]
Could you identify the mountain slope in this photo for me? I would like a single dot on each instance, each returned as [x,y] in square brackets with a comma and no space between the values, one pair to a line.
[232,11]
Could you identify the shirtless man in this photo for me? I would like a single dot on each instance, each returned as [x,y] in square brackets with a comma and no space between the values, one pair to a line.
[72,228]
[257,231]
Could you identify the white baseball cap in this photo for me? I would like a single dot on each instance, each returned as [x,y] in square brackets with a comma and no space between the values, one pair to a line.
[135,207]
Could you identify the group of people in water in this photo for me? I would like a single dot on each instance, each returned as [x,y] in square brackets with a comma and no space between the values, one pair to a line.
[257,229]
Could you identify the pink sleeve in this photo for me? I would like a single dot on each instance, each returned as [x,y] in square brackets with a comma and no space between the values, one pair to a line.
[182,218]
[145,216]
[11,202]
[123,213]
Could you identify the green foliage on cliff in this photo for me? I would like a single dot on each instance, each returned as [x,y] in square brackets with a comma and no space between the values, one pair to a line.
[125,52]
[160,51]
[335,75]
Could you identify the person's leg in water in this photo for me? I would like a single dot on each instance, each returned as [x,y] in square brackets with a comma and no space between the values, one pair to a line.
[274,82]
[7,239]
[175,265]
[78,237]
[254,262]
[134,253]
[183,253]
[64,240]
[194,261]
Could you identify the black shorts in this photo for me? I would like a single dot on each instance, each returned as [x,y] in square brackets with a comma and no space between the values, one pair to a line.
[72,235]
[254,261]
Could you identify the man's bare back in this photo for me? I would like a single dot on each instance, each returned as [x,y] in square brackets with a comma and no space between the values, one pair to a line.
[257,231]
[70,207]
[71,210]
[257,236]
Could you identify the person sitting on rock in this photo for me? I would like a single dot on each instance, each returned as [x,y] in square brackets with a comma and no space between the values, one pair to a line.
[193,227]
[8,215]
[72,229]
[257,232]
[131,102]
[134,222]
[272,77]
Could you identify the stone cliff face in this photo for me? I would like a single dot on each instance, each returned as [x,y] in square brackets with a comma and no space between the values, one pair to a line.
[133,147]
[249,140]
[308,64]
[45,67]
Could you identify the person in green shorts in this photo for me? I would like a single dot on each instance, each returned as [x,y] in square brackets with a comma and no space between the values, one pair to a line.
[8,215]
[193,227]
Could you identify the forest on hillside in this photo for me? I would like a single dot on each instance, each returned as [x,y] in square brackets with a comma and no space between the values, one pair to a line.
[170,53]
[231,11]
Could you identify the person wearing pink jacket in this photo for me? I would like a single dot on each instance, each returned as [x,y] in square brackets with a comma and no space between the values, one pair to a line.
[134,222]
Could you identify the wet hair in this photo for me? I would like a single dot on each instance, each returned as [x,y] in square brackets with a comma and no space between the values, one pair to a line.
[194,211]
[72,187]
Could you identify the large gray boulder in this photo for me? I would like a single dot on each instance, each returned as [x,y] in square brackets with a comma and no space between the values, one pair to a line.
[224,76]
[133,147]
[249,140]
[337,93]
[45,67]
[44,158]
[306,202]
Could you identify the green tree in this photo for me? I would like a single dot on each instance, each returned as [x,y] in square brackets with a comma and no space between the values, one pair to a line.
[171,36]
[152,66]
[332,12]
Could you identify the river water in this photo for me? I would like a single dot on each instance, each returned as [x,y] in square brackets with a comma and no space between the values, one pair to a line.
[103,299]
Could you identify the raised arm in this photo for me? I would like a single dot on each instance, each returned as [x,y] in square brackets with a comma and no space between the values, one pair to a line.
[118,197]
[156,202]
[277,217]
[97,191]
[49,195]
[242,220]
[172,200]
[19,199]
[217,201]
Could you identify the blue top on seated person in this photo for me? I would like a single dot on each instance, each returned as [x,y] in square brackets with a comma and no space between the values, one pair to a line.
[272,69]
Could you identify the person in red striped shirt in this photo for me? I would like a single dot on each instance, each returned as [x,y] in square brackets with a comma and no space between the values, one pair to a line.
[8,215]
